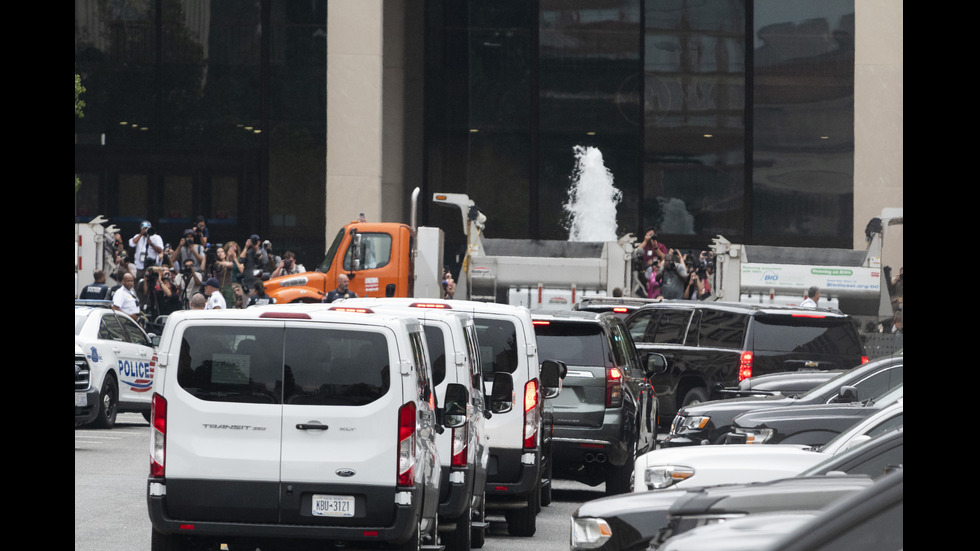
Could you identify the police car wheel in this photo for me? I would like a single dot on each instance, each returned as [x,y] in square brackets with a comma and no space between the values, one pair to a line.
[108,405]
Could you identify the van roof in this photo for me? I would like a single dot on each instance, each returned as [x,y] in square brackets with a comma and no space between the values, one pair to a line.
[296,312]
[743,307]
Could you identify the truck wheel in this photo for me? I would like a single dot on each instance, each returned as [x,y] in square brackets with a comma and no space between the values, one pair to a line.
[108,404]
[523,522]
[695,396]
[460,538]
[619,480]
[478,534]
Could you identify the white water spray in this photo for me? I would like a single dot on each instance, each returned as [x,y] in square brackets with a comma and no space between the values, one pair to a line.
[592,198]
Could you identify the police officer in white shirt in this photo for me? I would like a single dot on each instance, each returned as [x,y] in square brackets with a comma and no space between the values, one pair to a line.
[215,300]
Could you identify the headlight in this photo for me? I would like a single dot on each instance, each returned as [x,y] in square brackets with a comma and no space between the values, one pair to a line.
[664,476]
[696,422]
[756,436]
[589,533]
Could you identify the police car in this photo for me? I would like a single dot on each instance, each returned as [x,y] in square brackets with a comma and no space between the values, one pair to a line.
[121,359]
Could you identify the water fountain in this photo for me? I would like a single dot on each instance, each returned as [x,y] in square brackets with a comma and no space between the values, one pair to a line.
[592,199]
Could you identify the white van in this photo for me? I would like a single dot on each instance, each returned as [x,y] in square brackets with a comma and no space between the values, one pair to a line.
[508,353]
[295,423]
[464,451]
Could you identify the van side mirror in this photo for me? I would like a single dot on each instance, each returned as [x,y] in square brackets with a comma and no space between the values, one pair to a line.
[552,373]
[502,395]
[656,364]
[454,411]
[846,395]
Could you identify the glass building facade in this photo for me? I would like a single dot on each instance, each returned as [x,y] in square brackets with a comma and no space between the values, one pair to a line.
[731,117]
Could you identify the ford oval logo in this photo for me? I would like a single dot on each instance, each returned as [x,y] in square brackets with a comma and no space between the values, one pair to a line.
[346,473]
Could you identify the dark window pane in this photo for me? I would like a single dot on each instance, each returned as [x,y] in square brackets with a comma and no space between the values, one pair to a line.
[577,344]
[694,111]
[221,364]
[498,345]
[335,367]
[803,119]
[722,329]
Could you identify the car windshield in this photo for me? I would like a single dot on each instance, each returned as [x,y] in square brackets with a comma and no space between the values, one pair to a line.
[889,397]
[833,385]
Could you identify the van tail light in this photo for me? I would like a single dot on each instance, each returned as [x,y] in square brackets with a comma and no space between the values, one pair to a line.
[532,415]
[406,445]
[158,426]
[745,366]
[614,387]
[864,360]
[460,437]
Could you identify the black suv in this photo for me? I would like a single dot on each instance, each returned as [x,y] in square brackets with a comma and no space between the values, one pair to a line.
[710,346]
[606,412]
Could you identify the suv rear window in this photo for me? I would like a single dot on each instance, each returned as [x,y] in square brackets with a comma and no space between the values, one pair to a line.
[498,345]
[269,365]
[573,343]
[805,334]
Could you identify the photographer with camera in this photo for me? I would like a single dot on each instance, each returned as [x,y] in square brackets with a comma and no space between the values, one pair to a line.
[187,282]
[201,234]
[148,248]
[288,265]
[254,257]
[161,296]
[673,275]
[188,250]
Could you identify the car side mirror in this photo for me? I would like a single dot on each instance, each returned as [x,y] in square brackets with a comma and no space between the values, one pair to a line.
[502,395]
[656,364]
[552,373]
[454,411]
[847,395]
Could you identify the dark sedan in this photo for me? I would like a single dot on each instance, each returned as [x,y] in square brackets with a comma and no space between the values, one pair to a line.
[630,522]
[807,425]
[710,422]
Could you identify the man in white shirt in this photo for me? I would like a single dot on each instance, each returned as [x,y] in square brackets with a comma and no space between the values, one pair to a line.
[215,300]
[125,299]
[147,247]
[812,296]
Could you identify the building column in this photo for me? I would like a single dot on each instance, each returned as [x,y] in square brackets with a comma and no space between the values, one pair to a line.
[355,41]
[879,120]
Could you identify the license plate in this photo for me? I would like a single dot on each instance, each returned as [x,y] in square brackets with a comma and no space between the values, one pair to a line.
[80,400]
[333,506]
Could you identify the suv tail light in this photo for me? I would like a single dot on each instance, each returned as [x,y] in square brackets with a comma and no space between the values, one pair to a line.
[406,445]
[745,366]
[614,387]
[864,360]
[158,426]
[460,437]
[532,415]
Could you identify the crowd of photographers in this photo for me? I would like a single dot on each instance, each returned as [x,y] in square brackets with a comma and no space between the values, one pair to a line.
[168,278]
[191,272]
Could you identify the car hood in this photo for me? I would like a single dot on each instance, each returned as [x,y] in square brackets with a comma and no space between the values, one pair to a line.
[808,493]
[831,418]
[729,464]
[747,533]
[733,406]
[613,506]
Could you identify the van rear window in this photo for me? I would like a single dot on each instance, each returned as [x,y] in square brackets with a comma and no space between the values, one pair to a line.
[498,345]
[269,365]
[581,344]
